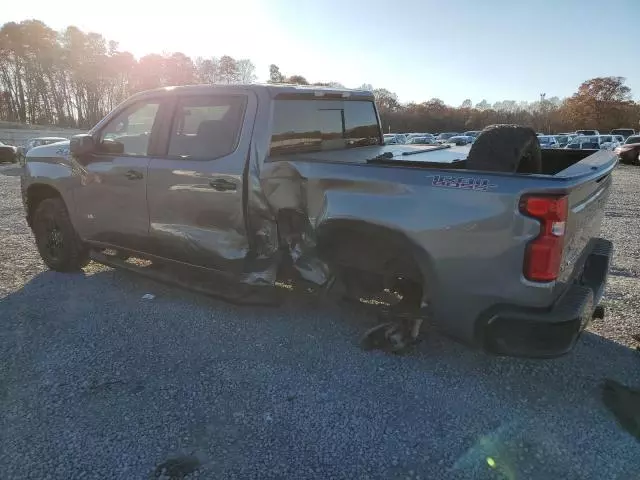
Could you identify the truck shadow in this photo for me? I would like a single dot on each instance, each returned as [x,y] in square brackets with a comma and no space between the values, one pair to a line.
[483,407]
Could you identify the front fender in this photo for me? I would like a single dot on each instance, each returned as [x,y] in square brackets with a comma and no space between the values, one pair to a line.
[50,166]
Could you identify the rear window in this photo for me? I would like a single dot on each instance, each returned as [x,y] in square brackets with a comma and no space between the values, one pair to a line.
[623,131]
[316,125]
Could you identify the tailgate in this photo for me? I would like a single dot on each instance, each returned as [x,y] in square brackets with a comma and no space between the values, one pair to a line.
[587,198]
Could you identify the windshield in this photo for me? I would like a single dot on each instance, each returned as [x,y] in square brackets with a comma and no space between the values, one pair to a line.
[606,138]
[633,139]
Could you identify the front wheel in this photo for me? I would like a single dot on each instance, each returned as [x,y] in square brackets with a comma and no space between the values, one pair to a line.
[58,243]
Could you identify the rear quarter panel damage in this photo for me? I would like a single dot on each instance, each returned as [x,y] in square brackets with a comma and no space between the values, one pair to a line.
[468,242]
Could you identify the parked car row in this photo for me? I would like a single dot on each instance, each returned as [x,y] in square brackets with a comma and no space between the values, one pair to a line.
[425,138]
[623,141]
[581,141]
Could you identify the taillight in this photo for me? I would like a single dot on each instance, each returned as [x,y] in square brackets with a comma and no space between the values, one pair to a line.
[543,256]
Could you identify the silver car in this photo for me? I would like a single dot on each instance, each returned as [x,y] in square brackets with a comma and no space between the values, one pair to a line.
[548,141]
[394,139]
[610,142]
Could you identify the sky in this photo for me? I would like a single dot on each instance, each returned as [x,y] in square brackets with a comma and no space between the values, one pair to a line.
[419,49]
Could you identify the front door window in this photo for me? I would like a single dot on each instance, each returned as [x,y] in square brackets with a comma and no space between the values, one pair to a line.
[129,132]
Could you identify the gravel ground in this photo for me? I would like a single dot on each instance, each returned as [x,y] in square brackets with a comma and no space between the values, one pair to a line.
[96,382]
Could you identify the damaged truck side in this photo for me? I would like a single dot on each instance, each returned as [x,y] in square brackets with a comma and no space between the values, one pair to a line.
[496,244]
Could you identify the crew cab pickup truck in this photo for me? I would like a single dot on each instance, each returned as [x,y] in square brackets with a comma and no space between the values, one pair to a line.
[497,243]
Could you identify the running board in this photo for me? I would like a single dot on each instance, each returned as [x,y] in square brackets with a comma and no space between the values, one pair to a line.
[208,284]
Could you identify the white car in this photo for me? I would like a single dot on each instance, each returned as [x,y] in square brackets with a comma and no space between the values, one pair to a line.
[611,142]
[394,139]
[591,142]
[412,135]
[422,140]
[460,140]
[548,141]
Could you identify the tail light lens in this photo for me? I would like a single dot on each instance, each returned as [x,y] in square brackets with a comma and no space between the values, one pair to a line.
[543,256]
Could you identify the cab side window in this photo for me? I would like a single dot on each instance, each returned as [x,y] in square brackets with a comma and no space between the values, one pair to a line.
[129,132]
[206,126]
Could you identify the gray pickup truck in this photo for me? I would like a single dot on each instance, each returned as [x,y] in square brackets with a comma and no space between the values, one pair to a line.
[496,244]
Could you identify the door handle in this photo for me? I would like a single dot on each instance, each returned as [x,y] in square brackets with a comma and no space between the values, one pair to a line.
[133,175]
[222,185]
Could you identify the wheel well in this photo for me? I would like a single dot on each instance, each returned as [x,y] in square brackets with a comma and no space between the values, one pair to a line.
[371,248]
[36,194]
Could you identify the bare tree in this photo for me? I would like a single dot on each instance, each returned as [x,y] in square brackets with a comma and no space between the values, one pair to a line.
[246,71]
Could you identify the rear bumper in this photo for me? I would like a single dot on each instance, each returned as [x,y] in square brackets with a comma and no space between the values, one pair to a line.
[533,332]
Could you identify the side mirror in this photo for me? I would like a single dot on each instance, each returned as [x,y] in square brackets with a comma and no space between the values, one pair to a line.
[81,145]
[111,146]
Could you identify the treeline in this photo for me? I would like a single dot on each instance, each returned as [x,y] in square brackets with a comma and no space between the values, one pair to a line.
[602,103]
[72,78]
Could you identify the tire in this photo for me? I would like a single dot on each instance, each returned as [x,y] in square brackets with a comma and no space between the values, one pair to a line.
[507,149]
[58,243]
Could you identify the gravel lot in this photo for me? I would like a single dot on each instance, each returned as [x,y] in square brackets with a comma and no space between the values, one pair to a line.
[96,382]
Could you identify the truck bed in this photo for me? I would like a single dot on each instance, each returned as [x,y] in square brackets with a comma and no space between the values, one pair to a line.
[443,157]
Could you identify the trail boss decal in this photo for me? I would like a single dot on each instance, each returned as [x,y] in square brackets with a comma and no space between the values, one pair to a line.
[463,183]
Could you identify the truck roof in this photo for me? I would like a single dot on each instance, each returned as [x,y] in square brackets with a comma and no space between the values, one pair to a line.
[261,89]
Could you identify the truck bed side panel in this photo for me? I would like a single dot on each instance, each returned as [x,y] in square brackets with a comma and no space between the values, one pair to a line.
[475,237]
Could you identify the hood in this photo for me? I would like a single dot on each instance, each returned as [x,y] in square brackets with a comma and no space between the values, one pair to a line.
[628,146]
[58,149]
